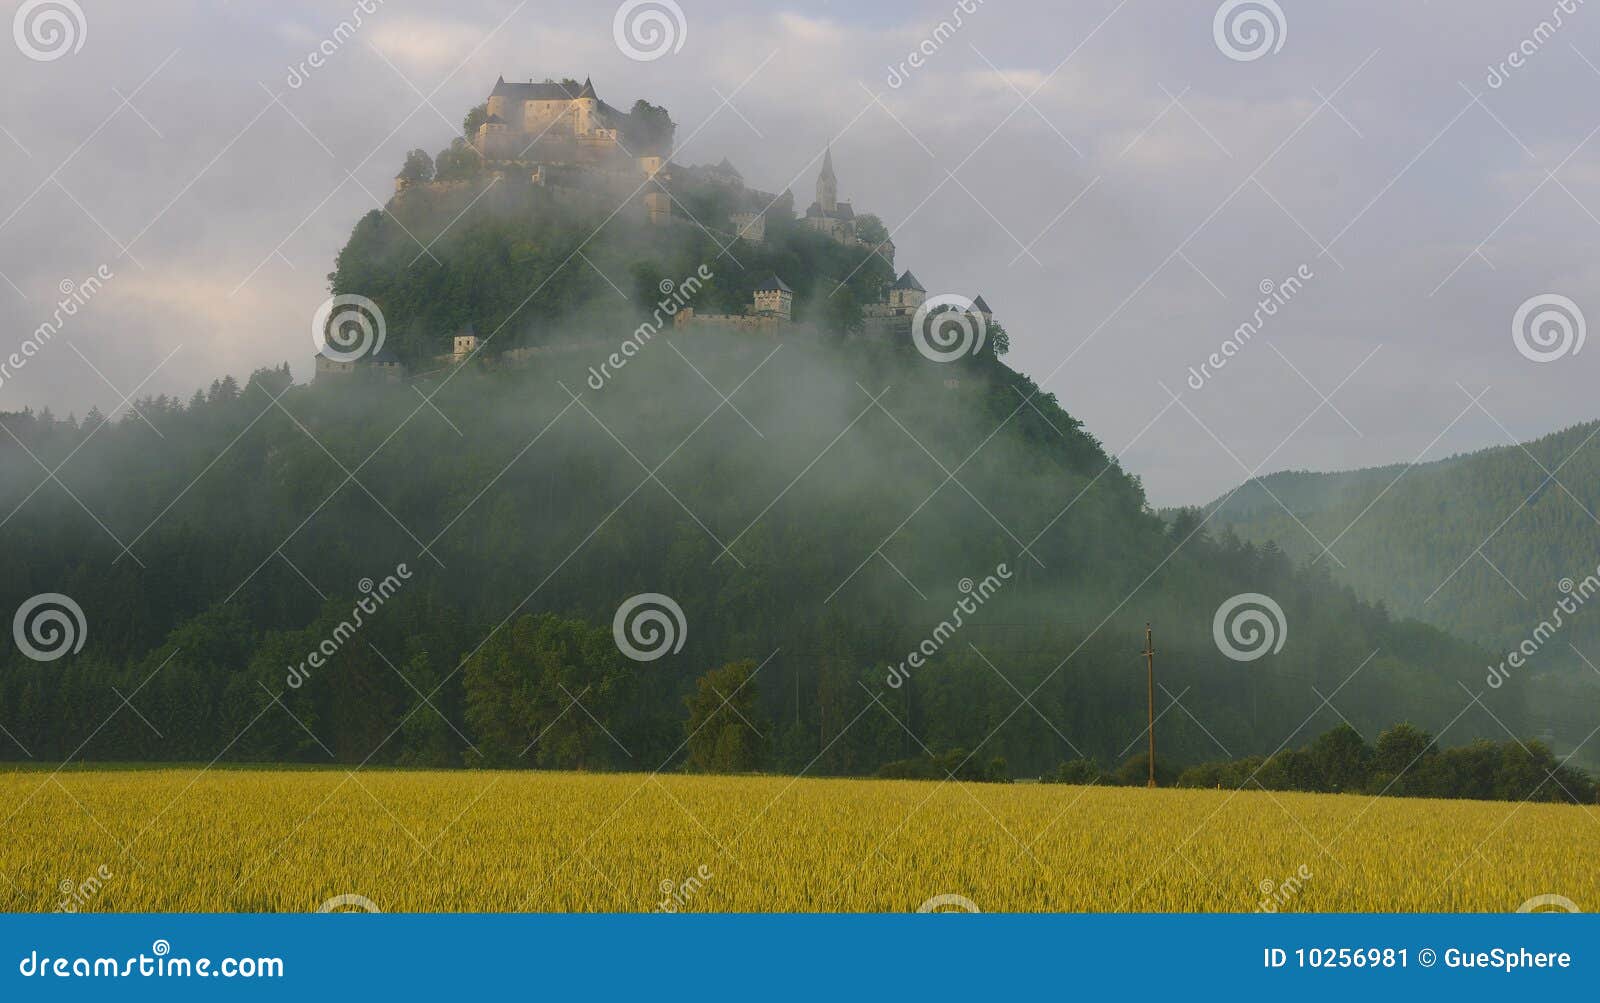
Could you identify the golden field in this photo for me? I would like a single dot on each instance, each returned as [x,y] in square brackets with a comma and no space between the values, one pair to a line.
[281,840]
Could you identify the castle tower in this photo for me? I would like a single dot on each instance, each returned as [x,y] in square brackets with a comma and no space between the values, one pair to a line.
[464,344]
[827,184]
[586,104]
[774,298]
[907,293]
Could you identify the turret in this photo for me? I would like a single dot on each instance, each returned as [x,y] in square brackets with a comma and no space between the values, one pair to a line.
[775,298]
[907,292]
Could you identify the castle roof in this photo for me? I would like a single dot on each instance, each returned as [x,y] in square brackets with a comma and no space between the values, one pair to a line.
[724,171]
[841,210]
[588,89]
[908,281]
[773,283]
[827,163]
[983,307]
[549,90]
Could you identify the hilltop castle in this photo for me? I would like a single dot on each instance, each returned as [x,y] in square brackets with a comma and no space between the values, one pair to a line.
[562,136]
[562,123]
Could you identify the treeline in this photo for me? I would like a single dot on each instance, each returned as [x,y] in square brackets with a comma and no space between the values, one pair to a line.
[1405,762]
[247,539]
[815,525]
[1539,530]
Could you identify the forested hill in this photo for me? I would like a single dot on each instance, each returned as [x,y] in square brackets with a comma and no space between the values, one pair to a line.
[1414,541]
[813,504]
[1500,547]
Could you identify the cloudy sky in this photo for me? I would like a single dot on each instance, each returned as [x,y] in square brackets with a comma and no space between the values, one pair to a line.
[1115,179]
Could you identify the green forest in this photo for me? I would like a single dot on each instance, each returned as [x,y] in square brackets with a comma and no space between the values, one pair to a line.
[813,504]
[1493,546]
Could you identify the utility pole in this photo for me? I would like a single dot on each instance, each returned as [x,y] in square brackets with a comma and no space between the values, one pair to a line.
[1150,678]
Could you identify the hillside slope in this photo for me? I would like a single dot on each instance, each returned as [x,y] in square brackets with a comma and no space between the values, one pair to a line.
[1477,544]
[813,504]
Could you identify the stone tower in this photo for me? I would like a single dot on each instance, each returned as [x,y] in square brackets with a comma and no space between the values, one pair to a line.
[774,298]
[586,106]
[827,184]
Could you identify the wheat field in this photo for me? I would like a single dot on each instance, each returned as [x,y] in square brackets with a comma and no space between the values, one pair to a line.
[279,840]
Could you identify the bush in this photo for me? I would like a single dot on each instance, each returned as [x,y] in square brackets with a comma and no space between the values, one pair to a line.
[1136,772]
[1081,772]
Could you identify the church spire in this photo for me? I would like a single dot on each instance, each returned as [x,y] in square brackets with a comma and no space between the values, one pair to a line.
[827,184]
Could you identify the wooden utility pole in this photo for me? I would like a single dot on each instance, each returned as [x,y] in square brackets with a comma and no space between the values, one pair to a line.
[1150,678]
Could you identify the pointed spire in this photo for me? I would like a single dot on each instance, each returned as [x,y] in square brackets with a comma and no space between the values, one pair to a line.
[827,184]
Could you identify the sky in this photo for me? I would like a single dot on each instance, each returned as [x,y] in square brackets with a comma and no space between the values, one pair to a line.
[1120,179]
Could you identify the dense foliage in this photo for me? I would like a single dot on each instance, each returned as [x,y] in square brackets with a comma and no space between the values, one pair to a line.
[529,266]
[1406,762]
[1497,546]
[818,506]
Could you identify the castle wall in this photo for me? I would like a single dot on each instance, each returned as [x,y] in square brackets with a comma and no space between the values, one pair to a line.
[688,319]
[887,320]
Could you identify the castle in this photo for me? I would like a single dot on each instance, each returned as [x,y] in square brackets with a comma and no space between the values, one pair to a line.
[553,122]
[560,135]
[772,308]
[837,219]
[894,317]
[827,214]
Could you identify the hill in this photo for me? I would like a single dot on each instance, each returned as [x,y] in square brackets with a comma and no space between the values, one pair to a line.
[817,503]
[1497,546]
